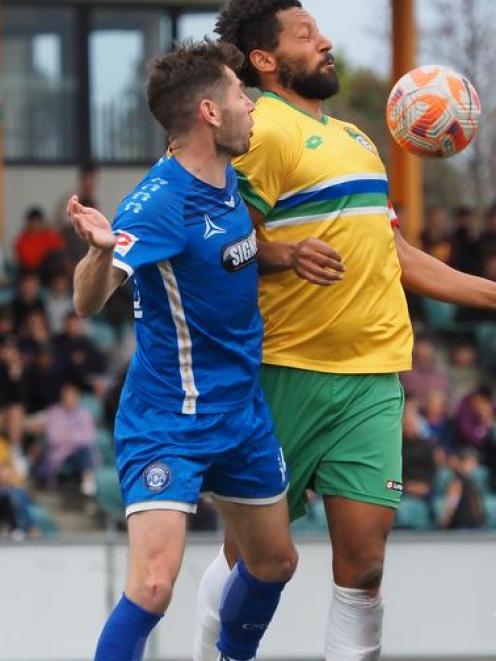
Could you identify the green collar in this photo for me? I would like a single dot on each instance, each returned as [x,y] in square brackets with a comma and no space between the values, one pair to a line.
[272,95]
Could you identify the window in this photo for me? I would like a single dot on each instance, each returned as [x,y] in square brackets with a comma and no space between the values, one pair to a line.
[39,86]
[121,43]
[196,25]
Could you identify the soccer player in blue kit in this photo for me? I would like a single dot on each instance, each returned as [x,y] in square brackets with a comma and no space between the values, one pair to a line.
[191,416]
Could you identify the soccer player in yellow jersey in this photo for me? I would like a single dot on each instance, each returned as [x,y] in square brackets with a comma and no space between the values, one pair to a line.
[337,330]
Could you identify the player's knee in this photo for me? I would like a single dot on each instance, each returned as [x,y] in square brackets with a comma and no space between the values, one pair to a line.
[277,567]
[368,569]
[156,593]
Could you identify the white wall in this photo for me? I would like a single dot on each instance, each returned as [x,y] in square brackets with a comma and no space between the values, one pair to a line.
[47,186]
[439,593]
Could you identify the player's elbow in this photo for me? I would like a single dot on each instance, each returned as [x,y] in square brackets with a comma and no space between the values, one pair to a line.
[83,306]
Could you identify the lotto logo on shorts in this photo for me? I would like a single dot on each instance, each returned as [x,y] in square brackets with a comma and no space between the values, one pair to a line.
[157,476]
[394,486]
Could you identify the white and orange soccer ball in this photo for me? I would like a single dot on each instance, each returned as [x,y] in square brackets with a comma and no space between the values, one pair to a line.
[433,111]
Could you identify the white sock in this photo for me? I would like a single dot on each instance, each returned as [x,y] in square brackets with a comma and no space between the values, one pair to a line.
[354,627]
[207,609]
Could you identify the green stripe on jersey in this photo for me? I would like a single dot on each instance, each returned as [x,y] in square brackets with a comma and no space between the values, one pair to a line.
[250,196]
[356,201]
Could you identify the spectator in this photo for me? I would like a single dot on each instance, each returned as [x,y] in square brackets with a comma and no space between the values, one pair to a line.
[58,301]
[436,239]
[14,503]
[33,334]
[426,376]
[79,359]
[28,299]
[463,505]
[6,321]
[75,247]
[70,433]
[419,463]
[37,243]
[464,372]
[486,244]
[437,419]
[11,409]
[464,240]
[42,381]
[475,419]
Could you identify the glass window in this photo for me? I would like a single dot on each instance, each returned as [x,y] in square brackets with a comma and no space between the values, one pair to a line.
[39,85]
[196,25]
[121,43]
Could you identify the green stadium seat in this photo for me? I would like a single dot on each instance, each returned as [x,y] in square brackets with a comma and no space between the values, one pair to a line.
[108,495]
[490,509]
[481,478]
[103,335]
[94,405]
[105,446]
[444,476]
[413,514]
[42,519]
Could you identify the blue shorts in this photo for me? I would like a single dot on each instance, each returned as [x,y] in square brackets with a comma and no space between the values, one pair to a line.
[165,460]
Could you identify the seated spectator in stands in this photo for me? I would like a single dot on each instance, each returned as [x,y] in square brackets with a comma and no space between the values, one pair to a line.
[42,381]
[6,321]
[436,237]
[426,376]
[33,334]
[464,508]
[486,245]
[28,299]
[475,419]
[14,503]
[464,372]
[437,418]
[37,244]
[86,190]
[58,302]
[70,433]
[78,357]
[479,315]
[11,409]
[419,461]
[464,240]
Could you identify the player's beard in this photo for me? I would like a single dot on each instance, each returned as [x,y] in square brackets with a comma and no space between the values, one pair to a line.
[308,84]
[228,138]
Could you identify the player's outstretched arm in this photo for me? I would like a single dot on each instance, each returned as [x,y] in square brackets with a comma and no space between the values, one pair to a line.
[426,275]
[95,279]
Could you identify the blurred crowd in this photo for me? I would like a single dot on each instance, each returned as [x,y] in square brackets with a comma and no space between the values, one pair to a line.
[60,378]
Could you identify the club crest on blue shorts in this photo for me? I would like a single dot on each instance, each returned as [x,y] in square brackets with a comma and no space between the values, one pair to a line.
[157,476]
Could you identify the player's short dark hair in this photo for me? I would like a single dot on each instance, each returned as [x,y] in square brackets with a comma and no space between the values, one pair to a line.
[178,81]
[252,24]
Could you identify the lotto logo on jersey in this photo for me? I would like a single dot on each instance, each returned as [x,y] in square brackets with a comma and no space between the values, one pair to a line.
[392,485]
[125,242]
[240,254]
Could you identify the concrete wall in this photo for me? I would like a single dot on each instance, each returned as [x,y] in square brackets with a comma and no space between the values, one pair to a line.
[48,186]
[439,594]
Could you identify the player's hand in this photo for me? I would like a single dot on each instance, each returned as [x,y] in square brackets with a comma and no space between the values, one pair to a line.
[315,261]
[91,225]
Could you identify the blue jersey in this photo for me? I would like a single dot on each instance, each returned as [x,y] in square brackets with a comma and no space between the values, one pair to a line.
[191,251]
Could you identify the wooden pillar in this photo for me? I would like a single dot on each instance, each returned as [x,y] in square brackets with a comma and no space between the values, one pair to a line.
[406,170]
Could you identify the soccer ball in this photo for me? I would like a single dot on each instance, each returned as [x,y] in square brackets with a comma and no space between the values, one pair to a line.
[433,111]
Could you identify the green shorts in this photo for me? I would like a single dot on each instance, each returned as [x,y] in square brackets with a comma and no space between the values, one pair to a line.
[341,433]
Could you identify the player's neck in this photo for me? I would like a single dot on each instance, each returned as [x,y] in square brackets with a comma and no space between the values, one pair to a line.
[311,106]
[207,165]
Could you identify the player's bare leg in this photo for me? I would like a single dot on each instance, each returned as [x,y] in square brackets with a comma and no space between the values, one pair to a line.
[156,542]
[359,534]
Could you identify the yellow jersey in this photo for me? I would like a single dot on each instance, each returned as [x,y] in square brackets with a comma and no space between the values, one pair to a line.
[325,179]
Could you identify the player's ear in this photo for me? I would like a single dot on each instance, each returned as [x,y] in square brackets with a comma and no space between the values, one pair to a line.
[210,112]
[263,61]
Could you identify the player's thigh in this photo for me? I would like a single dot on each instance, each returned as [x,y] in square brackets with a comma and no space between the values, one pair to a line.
[299,403]
[262,535]
[156,546]
[359,533]
[364,457]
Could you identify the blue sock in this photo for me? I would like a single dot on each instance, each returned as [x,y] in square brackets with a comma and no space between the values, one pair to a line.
[247,608]
[125,633]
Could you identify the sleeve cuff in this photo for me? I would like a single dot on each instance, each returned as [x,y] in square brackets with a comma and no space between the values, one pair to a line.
[123,267]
